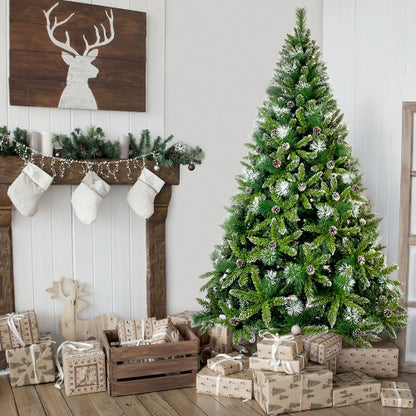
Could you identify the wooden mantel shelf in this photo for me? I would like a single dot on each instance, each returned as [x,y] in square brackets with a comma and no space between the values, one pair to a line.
[10,168]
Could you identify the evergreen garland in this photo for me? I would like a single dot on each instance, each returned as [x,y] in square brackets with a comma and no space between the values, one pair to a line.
[300,243]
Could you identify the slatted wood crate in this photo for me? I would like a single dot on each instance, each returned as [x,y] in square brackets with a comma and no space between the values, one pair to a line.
[175,366]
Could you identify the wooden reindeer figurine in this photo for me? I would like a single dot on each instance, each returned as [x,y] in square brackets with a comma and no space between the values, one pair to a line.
[71,327]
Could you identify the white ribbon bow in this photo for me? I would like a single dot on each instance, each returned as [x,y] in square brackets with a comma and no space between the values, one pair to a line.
[228,358]
[285,364]
[75,345]
[278,340]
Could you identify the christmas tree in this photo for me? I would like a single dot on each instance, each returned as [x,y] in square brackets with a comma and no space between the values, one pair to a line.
[301,244]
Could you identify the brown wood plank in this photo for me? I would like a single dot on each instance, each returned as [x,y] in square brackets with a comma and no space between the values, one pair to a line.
[7,403]
[27,401]
[105,405]
[11,166]
[80,405]
[52,400]
[240,408]
[156,405]
[181,403]
[132,406]
[206,403]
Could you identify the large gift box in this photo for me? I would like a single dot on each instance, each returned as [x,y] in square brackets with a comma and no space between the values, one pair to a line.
[221,339]
[287,347]
[322,347]
[130,331]
[396,394]
[280,366]
[355,387]
[382,361]
[228,363]
[32,364]
[283,393]
[18,330]
[238,385]
[164,331]
[83,367]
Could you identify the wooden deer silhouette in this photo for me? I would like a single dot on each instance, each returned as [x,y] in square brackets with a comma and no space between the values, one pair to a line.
[71,327]
[77,93]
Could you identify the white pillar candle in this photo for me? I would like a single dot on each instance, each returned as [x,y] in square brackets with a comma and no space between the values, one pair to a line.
[47,146]
[35,142]
[124,142]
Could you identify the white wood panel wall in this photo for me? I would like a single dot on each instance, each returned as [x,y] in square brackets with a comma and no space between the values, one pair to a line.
[110,254]
[369,47]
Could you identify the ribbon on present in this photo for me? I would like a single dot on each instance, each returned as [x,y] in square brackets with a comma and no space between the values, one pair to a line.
[278,340]
[75,345]
[228,358]
[11,318]
[396,390]
[217,384]
[285,364]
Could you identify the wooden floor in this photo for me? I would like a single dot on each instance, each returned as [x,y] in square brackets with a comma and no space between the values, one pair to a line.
[45,399]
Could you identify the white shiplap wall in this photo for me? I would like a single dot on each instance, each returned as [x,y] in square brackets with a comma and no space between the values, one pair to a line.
[109,255]
[369,47]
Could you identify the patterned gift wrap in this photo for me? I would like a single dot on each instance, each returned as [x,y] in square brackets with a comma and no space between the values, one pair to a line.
[322,347]
[355,388]
[164,331]
[238,385]
[280,366]
[221,339]
[382,361]
[130,331]
[396,394]
[18,330]
[83,367]
[282,393]
[33,364]
[287,347]
[331,364]
[228,363]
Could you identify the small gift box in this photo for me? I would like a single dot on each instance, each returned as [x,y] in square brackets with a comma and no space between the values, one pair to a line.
[83,367]
[132,331]
[18,330]
[283,393]
[221,339]
[33,364]
[280,366]
[354,388]
[238,385]
[275,347]
[396,394]
[322,347]
[164,331]
[381,361]
[228,363]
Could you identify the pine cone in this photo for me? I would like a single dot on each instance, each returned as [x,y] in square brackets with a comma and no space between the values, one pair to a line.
[355,188]
[240,263]
[332,230]
[310,270]
[335,196]
[330,164]
[388,313]
[316,131]
[361,260]
[234,321]
[357,333]
[272,245]
[259,149]
[277,163]
[286,146]
[301,186]
[275,209]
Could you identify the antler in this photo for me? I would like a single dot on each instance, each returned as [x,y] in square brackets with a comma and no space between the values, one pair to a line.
[56,290]
[98,43]
[65,46]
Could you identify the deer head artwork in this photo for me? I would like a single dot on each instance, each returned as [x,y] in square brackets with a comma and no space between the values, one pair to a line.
[71,327]
[77,93]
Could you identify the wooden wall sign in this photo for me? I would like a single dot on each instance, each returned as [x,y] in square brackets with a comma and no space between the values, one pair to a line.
[72,55]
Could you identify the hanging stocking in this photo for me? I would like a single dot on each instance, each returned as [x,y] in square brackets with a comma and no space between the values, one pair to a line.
[87,197]
[142,194]
[27,189]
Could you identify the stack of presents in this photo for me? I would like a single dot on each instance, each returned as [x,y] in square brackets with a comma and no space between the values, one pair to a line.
[287,373]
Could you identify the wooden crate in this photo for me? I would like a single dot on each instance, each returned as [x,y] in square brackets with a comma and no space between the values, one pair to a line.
[127,375]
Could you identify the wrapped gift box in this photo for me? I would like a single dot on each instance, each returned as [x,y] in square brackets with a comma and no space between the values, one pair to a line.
[238,385]
[280,366]
[221,339]
[322,347]
[283,393]
[396,394]
[164,332]
[382,361]
[83,367]
[228,363]
[331,364]
[18,330]
[280,349]
[355,387]
[132,330]
[33,364]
